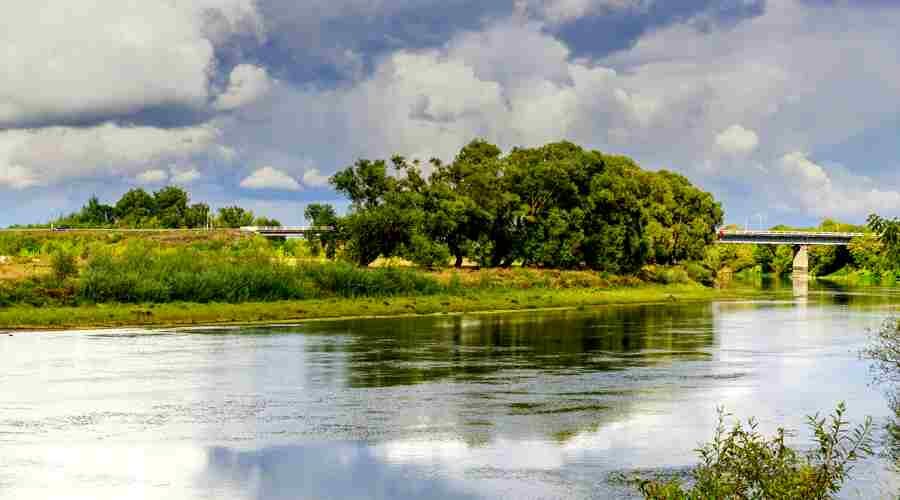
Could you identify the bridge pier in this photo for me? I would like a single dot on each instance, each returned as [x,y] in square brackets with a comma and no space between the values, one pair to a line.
[801,260]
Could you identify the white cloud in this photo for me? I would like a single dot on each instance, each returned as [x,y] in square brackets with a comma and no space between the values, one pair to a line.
[313,178]
[50,155]
[737,140]
[558,11]
[104,58]
[246,84]
[155,176]
[808,186]
[270,178]
[184,175]
[17,177]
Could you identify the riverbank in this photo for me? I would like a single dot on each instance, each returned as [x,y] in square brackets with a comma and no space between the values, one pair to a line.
[21,317]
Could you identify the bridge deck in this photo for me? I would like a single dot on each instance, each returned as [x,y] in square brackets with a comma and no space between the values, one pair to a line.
[786,237]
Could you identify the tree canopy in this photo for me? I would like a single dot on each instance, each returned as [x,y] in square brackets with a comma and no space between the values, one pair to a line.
[557,205]
[168,208]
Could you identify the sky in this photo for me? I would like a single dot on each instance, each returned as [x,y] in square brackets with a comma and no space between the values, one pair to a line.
[788,111]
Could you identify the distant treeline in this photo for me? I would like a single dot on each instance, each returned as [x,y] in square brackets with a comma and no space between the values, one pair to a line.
[169,207]
[557,206]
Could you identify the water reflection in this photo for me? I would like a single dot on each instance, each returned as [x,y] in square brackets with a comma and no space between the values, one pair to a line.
[479,348]
[335,470]
[529,405]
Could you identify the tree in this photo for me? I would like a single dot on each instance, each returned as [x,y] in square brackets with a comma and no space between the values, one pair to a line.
[266,222]
[135,208]
[467,198]
[234,217]
[196,215]
[323,215]
[385,214]
[95,213]
[888,231]
[171,206]
[557,205]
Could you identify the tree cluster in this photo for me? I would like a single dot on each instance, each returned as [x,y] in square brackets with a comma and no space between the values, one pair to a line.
[557,206]
[168,207]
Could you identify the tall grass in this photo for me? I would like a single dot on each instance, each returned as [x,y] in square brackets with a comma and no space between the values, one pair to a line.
[143,274]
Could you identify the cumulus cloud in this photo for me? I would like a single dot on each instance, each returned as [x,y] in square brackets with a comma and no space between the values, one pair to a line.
[17,177]
[155,176]
[184,175]
[48,156]
[247,84]
[270,178]
[810,187]
[737,140]
[673,96]
[81,62]
[313,178]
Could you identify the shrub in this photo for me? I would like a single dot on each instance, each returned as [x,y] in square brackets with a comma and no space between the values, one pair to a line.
[63,265]
[347,280]
[664,275]
[742,463]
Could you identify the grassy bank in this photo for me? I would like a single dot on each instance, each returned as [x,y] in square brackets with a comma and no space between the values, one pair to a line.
[483,300]
[50,280]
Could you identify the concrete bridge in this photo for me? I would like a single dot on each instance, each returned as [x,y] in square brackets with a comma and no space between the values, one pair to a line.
[800,240]
[287,231]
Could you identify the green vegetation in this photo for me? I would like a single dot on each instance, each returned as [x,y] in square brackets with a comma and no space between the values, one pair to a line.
[556,206]
[493,298]
[884,350]
[168,208]
[754,261]
[742,463]
[112,278]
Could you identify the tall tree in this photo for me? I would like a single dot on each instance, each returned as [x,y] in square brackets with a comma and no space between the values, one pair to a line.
[135,208]
[234,217]
[171,206]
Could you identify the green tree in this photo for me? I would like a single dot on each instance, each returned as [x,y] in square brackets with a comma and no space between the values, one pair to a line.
[234,217]
[95,213]
[171,206]
[135,208]
[196,215]
[323,215]
[266,222]
[384,214]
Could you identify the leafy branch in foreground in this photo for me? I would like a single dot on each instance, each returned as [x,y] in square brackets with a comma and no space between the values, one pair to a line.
[741,463]
[884,350]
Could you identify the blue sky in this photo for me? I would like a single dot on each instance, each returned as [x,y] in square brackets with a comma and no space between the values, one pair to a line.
[787,110]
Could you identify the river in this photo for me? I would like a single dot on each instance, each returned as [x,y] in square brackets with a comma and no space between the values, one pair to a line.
[522,405]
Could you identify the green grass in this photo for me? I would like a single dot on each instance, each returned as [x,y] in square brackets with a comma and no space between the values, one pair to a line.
[467,301]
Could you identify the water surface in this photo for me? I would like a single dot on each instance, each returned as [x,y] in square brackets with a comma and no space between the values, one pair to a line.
[524,405]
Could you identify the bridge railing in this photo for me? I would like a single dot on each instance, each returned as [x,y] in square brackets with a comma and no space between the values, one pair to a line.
[822,234]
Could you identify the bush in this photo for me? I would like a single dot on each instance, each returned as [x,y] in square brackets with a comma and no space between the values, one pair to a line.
[347,280]
[700,273]
[664,275]
[741,463]
[63,265]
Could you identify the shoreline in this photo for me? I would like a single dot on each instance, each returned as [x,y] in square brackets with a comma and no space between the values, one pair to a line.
[495,301]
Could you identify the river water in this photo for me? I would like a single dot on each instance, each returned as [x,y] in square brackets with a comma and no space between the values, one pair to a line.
[523,405]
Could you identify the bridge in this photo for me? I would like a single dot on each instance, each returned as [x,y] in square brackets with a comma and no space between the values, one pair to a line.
[800,240]
[287,231]
[785,237]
